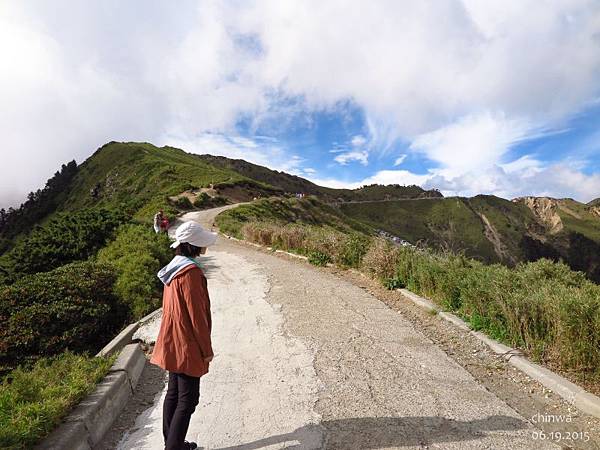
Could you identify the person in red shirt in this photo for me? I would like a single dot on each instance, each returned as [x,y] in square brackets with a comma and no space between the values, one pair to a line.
[183,346]
[164,224]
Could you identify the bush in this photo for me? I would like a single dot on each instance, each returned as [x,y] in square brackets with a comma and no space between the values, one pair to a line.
[318,258]
[204,201]
[65,238]
[33,401]
[137,253]
[183,203]
[353,249]
[381,261]
[72,307]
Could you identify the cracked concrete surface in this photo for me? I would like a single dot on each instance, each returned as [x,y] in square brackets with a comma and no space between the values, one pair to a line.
[307,360]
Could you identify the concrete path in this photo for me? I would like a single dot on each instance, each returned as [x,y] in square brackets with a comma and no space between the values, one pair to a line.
[305,360]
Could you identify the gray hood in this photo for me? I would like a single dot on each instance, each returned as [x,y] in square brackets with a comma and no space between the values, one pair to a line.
[167,273]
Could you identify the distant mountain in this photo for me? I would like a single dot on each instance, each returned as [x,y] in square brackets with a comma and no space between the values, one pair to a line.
[493,229]
[294,184]
[595,202]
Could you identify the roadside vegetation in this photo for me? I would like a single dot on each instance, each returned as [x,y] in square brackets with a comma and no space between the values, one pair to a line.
[68,288]
[63,239]
[136,254]
[542,307]
[73,308]
[33,401]
[281,211]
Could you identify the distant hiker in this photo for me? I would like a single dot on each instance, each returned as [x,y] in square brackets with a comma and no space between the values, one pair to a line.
[158,218]
[164,225]
[158,221]
[183,346]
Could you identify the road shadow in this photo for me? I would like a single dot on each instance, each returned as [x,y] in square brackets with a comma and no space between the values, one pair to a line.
[385,432]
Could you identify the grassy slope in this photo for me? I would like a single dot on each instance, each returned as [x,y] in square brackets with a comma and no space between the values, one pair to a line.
[452,223]
[576,217]
[307,211]
[456,223]
[141,176]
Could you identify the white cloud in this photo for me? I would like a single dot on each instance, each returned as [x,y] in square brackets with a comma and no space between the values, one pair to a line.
[354,151]
[403,177]
[460,80]
[399,160]
[556,180]
[472,142]
[521,177]
[335,183]
[362,156]
[358,141]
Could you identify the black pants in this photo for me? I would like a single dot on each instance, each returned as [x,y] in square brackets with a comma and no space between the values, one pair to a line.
[180,402]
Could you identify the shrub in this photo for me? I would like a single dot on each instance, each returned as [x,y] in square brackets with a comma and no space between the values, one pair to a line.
[353,250]
[72,307]
[137,253]
[325,241]
[318,258]
[183,203]
[33,401]
[291,237]
[65,238]
[381,260]
[203,201]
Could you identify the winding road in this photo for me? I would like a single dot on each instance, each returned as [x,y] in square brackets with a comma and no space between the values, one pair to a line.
[307,360]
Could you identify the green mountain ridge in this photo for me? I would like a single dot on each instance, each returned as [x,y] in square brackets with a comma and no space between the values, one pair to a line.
[295,184]
[140,178]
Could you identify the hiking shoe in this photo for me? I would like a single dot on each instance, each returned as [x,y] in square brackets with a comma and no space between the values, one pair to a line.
[190,445]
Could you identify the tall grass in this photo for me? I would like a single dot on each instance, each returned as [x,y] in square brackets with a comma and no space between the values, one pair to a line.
[543,307]
[320,244]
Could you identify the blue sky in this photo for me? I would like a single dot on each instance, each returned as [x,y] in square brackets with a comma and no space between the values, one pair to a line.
[495,97]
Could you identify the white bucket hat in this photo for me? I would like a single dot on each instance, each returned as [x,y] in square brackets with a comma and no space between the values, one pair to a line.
[194,234]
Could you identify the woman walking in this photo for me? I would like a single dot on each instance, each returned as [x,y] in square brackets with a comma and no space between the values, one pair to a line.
[183,346]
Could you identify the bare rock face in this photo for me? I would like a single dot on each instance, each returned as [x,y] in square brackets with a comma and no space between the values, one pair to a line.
[595,210]
[545,210]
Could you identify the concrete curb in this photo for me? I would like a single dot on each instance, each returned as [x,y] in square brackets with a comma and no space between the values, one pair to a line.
[144,320]
[126,336]
[120,340]
[576,395]
[86,425]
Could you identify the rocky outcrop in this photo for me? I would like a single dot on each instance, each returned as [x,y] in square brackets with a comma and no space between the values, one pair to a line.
[546,212]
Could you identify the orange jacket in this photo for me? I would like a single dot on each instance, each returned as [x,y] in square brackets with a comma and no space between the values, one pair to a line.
[184,337]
